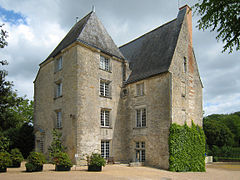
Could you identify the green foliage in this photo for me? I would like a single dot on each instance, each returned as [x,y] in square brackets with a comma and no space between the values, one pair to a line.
[5,159]
[217,133]
[25,139]
[36,158]
[62,158]
[4,143]
[217,127]
[186,148]
[30,167]
[56,145]
[96,159]
[222,16]
[3,36]
[225,151]
[16,155]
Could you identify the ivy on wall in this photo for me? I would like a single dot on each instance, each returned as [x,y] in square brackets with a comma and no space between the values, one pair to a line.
[186,148]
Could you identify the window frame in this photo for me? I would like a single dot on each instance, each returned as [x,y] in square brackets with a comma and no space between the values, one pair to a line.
[58,89]
[59,119]
[105,85]
[59,64]
[105,117]
[104,63]
[140,89]
[140,149]
[105,149]
[141,113]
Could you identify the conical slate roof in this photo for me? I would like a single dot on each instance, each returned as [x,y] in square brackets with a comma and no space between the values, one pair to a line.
[90,31]
[152,53]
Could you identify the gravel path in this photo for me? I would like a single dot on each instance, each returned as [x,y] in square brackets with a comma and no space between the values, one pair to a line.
[216,171]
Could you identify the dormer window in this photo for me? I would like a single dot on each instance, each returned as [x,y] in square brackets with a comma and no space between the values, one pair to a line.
[59,63]
[104,63]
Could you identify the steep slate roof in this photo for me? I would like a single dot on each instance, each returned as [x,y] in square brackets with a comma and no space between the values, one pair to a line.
[90,31]
[152,53]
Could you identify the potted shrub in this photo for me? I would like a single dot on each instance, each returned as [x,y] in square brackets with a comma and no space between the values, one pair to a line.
[5,161]
[35,162]
[95,162]
[16,157]
[62,161]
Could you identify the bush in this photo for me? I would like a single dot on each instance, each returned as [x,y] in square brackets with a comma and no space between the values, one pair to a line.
[96,160]
[62,159]
[35,161]
[16,155]
[186,148]
[5,160]
[36,158]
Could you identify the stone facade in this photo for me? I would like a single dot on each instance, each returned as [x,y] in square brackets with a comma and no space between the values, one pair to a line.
[139,113]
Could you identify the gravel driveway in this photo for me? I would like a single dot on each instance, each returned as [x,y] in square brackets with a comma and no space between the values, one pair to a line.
[216,171]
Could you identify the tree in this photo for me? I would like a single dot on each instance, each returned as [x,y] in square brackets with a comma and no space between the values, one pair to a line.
[222,16]
[217,133]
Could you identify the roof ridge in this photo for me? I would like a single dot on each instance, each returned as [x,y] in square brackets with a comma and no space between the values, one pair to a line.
[148,32]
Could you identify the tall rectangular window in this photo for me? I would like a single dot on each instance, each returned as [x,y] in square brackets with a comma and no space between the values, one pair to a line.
[185,64]
[105,149]
[59,89]
[59,63]
[104,63]
[105,118]
[59,119]
[105,88]
[140,89]
[140,152]
[141,117]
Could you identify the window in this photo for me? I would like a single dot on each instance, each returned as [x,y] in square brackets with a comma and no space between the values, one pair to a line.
[59,89]
[183,89]
[105,88]
[104,63]
[140,89]
[59,119]
[141,117]
[140,152]
[105,149]
[40,145]
[185,65]
[59,63]
[105,114]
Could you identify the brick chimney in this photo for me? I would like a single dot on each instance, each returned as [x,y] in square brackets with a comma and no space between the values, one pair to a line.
[189,20]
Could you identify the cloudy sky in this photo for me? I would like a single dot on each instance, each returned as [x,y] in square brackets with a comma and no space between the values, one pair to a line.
[36,27]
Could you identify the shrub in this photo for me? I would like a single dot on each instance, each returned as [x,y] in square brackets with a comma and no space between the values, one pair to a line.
[96,160]
[16,155]
[62,159]
[186,148]
[5,160]
[36,158]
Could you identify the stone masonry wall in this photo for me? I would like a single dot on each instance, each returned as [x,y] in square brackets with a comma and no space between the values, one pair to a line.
[155,135]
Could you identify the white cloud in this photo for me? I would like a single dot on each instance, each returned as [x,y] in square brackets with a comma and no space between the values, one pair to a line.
[48,22]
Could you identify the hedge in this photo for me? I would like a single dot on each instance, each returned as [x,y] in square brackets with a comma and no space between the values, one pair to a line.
[186,148]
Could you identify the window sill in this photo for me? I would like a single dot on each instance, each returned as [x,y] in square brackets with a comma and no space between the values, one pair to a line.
[105,70]
[139,95]
[106,127]
[57,97]
[105,96]
[55,72]
[140,127]
[59,128]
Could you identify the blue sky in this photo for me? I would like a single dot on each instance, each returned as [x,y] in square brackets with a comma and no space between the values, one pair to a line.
[36,27]
[12,17]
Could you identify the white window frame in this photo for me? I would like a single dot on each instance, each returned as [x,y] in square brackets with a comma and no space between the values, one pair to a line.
[105,149]
[105,88]
[59,63]
[140,152]
[140,89]
[104,63]
[141,117]
[105,117]
[59,89]
[59,119]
